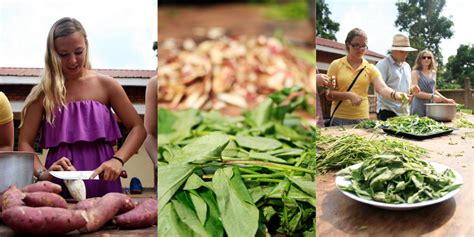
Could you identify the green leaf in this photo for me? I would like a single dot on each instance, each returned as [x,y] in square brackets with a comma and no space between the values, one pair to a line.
[235,203]
[288,133]
[195,182]
[166,120]
[170,179]
[260,115]
[170,224]
[309,187]
[286,152]
[258,143]
[186,213]
[214,121]
[268,212]
[203,149]
[176,126]
[259,192]
[213,222]
[199,206]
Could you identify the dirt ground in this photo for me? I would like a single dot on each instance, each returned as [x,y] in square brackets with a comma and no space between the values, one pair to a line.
[237,18]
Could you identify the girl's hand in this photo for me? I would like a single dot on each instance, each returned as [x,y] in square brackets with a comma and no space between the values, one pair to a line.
[322,80]
[451,101]
[415,89]
[356,100]
[402,97]
[437,99]
[109,170]
[63,164]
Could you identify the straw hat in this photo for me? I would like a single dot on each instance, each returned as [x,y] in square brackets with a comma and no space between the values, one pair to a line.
[401,43]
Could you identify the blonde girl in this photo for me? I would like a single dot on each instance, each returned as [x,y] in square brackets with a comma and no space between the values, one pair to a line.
[71,109]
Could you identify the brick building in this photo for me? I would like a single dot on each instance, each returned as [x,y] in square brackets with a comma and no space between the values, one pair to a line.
[16,83]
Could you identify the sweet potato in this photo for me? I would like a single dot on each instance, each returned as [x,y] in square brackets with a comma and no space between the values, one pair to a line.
[86,204]
[44,220]
[90,202]
[103,211]
[42,186]
[144,215]
[44,199]
[12,197]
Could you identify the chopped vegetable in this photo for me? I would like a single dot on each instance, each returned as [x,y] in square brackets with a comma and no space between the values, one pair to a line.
[397,179]
[414,125]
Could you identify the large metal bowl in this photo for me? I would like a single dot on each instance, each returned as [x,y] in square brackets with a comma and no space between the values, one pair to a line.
[15,168]
[441,111]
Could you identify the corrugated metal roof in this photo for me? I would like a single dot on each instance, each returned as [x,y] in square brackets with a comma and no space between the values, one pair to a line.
[116,73]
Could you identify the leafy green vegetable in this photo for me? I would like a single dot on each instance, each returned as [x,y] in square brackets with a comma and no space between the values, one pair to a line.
[235,202]
[226,172]
[461,121]
[397,179]
[185,210]
[171,177]
[173,127]
[414,125]
[351,149]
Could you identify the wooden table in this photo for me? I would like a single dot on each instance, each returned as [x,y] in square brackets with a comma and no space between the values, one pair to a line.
[338,215]
[108,230]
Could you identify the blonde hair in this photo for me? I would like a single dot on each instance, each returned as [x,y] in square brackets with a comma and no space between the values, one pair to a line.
[418,66]
[51,85]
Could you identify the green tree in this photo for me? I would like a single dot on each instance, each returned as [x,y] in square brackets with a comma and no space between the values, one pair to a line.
[461,65]
[326,28]
[426,27]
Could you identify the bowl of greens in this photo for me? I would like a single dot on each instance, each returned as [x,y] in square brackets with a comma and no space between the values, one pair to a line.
[397,183]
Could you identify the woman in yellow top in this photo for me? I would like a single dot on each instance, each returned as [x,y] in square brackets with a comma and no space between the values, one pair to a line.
[6,124]
[354,107]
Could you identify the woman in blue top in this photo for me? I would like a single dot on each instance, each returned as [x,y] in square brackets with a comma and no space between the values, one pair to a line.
[424,76]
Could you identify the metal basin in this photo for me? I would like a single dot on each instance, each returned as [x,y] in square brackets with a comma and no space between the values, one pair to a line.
[441,111]
[15,168]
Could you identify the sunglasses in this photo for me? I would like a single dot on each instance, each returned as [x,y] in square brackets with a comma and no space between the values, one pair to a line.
[426,57]
[356,46]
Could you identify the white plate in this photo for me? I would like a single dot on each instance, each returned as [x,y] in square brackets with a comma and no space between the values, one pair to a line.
[341,181]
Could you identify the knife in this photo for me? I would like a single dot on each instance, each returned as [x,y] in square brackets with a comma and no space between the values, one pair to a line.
[69,175]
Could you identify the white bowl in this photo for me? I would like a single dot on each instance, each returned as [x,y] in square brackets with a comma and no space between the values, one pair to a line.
[341,181]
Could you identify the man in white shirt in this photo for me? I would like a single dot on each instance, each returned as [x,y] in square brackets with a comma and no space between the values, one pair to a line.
[397,75]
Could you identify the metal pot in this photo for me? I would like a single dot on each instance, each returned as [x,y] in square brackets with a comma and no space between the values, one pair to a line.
[441,111]
[16,168]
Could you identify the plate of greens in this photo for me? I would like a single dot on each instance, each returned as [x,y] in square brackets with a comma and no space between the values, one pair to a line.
[415,127]
[398,183]
[417,136]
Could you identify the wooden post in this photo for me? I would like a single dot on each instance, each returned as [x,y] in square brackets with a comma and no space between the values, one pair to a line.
[467,94]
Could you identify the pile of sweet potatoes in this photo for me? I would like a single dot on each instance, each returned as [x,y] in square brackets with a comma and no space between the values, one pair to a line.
[38,209]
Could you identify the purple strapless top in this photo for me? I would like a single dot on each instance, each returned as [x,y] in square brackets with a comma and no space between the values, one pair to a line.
[84,132]
[85,120]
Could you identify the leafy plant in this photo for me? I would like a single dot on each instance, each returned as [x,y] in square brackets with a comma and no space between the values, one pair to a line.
[398,179]
[218,174]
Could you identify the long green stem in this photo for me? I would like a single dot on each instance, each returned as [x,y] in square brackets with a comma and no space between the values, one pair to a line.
[264,180]
[268,165]
[248,171]
[250,176]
